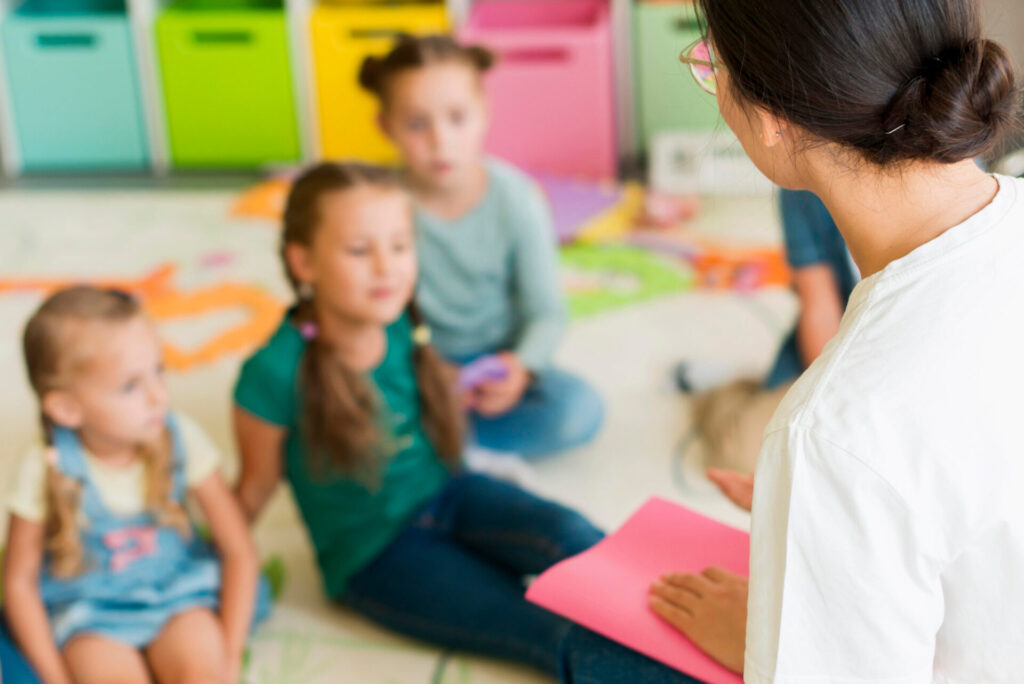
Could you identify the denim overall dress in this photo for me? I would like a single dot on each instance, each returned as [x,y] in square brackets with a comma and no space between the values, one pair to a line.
[137,574]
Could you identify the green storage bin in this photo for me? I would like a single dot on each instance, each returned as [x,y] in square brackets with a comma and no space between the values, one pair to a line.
[667,97]
[227,83]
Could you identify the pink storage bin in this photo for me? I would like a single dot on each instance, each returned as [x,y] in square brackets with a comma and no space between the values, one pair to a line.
[552,90]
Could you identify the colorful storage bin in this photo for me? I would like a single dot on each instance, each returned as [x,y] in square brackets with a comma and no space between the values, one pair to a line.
[667,98]
[552,91]
[74,90]
[342,37]
[227,84]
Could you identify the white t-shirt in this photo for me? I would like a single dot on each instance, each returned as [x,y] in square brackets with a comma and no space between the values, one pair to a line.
[888,520]
[122,489]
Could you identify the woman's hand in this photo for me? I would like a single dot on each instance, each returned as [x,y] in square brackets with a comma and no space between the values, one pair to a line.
[497,397]
[737,486]
[709,608]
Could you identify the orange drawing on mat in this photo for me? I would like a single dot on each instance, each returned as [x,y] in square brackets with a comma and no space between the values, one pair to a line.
[164,302]
[719,266]
[744,270]
[265,200]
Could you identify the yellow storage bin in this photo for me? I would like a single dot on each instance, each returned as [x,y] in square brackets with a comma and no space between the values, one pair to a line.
[342,37]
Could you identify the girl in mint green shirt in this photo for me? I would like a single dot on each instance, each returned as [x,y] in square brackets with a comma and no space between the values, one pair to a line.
[350,404]
[489,283]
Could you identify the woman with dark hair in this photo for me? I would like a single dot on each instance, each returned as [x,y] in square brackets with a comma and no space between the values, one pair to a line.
[888,524]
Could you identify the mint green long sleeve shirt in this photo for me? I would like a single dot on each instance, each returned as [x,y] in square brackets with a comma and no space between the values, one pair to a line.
[489,280]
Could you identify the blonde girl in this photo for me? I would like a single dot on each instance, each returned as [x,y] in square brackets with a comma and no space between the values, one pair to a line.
[104,578]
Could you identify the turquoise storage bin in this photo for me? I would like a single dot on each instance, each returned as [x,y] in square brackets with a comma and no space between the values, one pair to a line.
[74,88]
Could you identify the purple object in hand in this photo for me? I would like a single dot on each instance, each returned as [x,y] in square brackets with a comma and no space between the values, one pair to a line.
[482,370]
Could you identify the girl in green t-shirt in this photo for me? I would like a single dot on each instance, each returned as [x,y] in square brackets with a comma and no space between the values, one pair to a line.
[350,402]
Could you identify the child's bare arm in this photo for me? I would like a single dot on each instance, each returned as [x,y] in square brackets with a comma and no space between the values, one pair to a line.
[260,447]
[239,563]
[821,309]
[23,606]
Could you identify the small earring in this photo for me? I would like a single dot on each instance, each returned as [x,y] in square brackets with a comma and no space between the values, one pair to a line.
[305,291]
[778,134]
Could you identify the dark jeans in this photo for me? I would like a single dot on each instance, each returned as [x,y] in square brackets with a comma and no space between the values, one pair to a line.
[591,659]
[788,365]
[559,411]
[454,576]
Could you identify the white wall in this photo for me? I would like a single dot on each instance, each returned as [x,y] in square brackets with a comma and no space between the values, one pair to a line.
[1005,20]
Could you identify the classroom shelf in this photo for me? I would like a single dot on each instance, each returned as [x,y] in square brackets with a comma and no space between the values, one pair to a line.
[167,129]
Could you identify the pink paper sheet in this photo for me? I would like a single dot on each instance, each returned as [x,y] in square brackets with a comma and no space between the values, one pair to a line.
[605,588]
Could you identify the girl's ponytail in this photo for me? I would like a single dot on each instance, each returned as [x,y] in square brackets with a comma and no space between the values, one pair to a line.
[442,414]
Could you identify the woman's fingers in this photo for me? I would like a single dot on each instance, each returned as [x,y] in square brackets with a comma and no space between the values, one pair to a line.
[717,574]
[728,479]
[694,584]
[682,598]
[676,616]
[737,486]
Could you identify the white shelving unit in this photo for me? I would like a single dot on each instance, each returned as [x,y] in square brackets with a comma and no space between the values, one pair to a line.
[622,48]
[298,14]
[10,159]
[142,15]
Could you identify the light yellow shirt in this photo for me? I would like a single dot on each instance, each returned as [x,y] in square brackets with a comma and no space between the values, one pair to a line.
[122,489]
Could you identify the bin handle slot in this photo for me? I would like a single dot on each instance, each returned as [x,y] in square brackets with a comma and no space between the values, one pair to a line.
[66,40]
[374,33]
[535,55]
[225,37]
[684,24]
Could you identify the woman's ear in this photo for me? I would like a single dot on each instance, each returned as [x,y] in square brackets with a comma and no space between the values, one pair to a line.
[300,262]
[63,409]
[773,129]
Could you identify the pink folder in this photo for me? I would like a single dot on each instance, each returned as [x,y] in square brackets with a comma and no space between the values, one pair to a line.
[605,588]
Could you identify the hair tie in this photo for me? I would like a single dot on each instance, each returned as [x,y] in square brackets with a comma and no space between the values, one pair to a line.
[309,330]
[421,334]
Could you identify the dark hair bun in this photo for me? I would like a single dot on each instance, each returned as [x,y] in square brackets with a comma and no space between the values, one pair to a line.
[369,73]
[891,81]
[412,52]
[482,58]
[958,106]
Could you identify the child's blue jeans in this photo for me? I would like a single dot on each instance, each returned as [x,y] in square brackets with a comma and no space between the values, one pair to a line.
[558,411]
[455,576]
